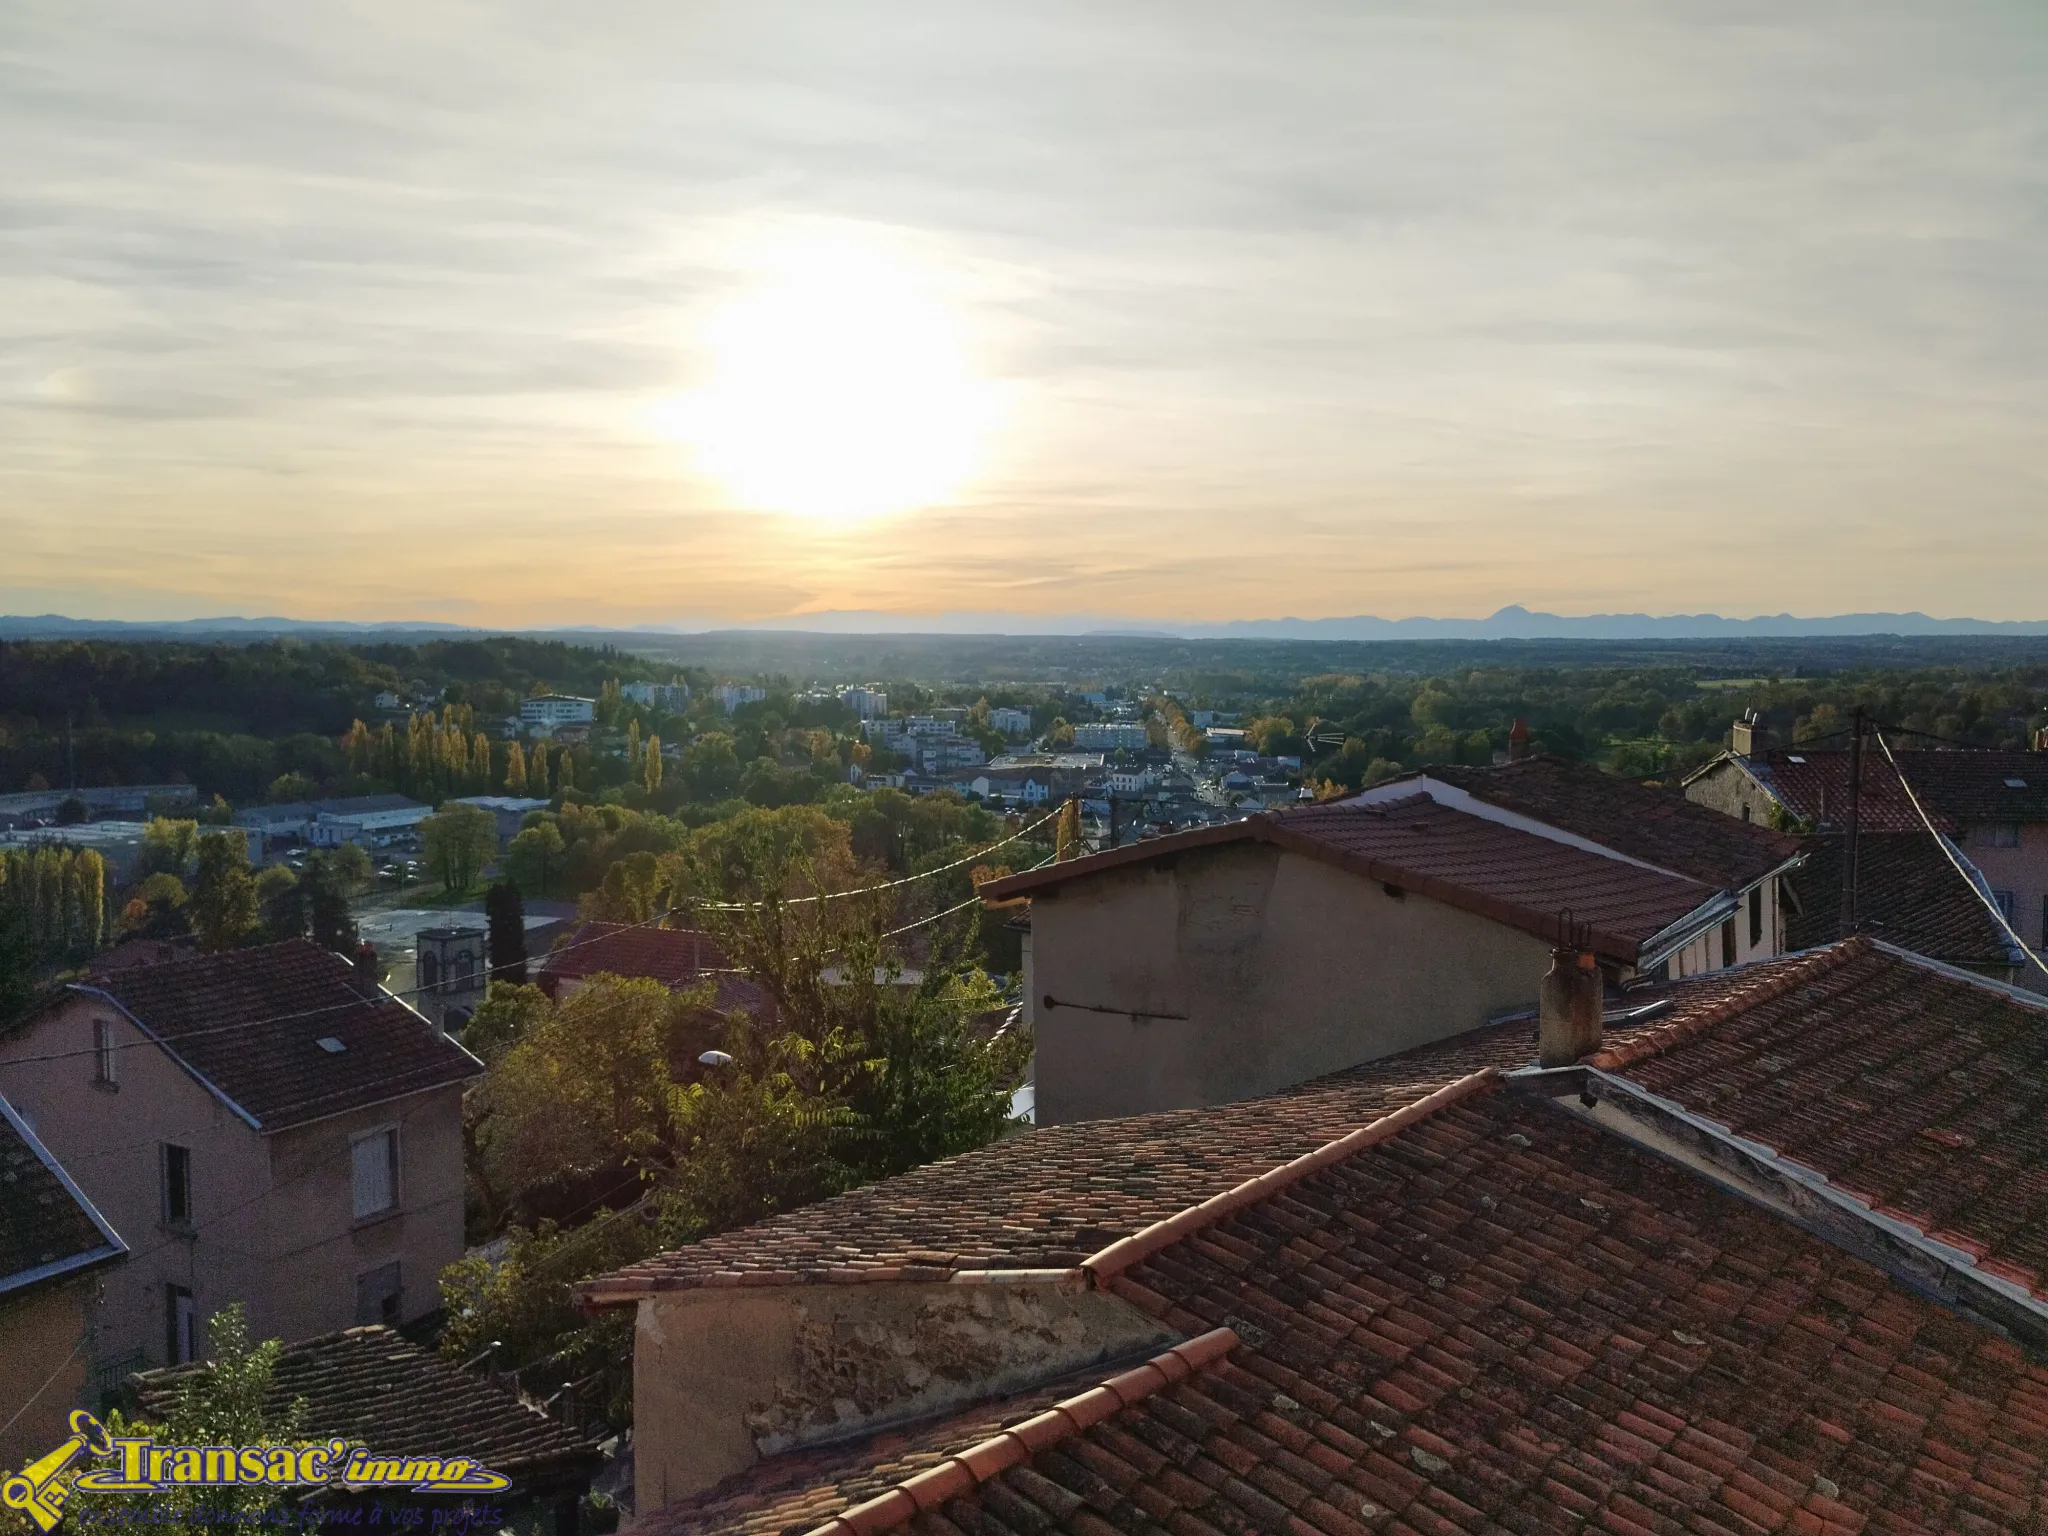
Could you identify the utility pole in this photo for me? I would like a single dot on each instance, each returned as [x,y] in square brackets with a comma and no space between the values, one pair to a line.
[1849,912]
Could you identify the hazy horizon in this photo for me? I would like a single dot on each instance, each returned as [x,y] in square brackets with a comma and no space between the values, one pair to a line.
[732,314]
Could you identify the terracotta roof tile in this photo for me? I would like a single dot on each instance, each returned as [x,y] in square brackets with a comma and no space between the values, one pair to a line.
[1658,826]
[1582,1336]
[1908,894]
[1958,788]
[1051,1197]
[1502,872]
[675,957]
[47,1226]
[371,1384]
[249,1021]
[1919,1092]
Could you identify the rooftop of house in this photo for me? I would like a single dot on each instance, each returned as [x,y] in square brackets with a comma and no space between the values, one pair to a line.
[1658,826]
[48,1228]
[1957,788]
[1049,1197]
[1907,893]
[1492,1317]
[1919,1091]
[1468,861]
[675,957]
[249,1023]
[372,1385]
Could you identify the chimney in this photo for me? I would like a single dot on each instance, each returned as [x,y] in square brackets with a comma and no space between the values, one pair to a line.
[1752,739]
[1518,740]
[366,969]
[1568,1008]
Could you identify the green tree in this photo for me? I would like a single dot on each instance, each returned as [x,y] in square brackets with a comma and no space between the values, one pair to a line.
[332,875]
[515,770]
[505,914]
[652,773]
[167,848]
[534,858]
[289,787]
[457,843]
[281,898]
[224,905]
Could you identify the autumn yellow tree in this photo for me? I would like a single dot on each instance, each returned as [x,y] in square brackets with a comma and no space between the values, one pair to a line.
[652,774]
[537,772]
[515,770]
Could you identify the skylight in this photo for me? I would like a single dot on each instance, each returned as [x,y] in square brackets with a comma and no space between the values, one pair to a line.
[330,1045]
[1793,757]
[2015,783]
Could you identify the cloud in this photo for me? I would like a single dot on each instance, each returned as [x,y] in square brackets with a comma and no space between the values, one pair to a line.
[1312,308]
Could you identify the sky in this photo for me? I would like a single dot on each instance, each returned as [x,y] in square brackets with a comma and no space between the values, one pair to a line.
[691,313]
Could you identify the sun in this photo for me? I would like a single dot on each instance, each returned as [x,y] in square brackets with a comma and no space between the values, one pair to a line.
[840,388]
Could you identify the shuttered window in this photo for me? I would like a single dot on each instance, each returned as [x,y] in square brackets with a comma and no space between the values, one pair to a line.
[376,1172]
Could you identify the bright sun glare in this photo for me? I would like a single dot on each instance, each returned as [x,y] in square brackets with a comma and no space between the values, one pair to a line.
[840,389]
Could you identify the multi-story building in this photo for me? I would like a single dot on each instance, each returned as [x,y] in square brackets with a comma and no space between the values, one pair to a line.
[866,703]
[731,696]
[671,698]
[1013,723]
[542,715]
[264,1125]
[1110,736]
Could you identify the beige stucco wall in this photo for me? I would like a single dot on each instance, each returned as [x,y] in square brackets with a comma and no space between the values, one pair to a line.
[1284,967]
[273,1216]
[724,1377]
[38,1333]
[317,1246]
[108,1142]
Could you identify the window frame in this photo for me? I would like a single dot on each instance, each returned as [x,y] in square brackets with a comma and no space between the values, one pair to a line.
[181,1325]
[105,1053]
[1727,943]
[1756,917]
[387,1137]
[174,1164]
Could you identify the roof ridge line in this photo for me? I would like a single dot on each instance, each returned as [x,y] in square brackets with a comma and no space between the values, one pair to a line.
[961,1474]
[1796,972]
[595,1293]
[1120,1255]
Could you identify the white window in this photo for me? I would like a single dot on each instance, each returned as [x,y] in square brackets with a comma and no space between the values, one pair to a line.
[103,1052]
[375,1160]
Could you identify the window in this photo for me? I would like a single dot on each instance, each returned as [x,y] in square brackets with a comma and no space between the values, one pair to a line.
[177,1167]
[1756,917]
[465,971]
[103,1056]
[1728,942]
[2008,903]
[430,970]
[375,1158]
[181,1326]
[2002,834]
[379,1296]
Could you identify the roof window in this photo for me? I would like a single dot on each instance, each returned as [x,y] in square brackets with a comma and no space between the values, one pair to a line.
[1794,757]
[330,1045]
[2015,783]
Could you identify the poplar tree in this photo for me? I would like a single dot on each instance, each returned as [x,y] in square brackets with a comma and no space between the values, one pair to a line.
[652,774]
[515,771]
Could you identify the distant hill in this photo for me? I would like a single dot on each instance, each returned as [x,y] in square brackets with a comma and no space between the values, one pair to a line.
[1511,623]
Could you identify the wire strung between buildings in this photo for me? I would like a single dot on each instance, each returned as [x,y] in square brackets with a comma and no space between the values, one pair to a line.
[402,994]
[1997,913]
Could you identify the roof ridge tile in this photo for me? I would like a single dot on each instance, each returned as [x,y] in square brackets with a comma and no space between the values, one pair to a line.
[929,1490]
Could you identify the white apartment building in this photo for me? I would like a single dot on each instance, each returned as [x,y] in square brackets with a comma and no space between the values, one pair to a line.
[866,703]
[672,698]
[543,715]
[731,696]
[1110,736]
[1011,722]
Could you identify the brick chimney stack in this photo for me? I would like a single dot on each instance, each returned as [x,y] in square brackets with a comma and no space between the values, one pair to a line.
[1751,737]
[1518,740]
[1568,1008]
[367,970]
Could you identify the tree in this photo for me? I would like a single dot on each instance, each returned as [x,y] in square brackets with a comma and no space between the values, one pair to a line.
[506,915]
[537,772]
[533,857]
[72,812]
[652,775]
[224,900]
[156,909]
[167,848]
[565,772]
[331,877]
[281,897]
[515,770]
[225,1402]
[457,843]
[289,787]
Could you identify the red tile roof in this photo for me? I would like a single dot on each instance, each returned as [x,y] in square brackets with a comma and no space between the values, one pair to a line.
[1500,1318]
[47,1226]
[1957,788]
[1917,1091]
[1514,877]
[675,957]
[1908,894]
[249,1021]
[1658,826]
[373,1385]
[1051,1197]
